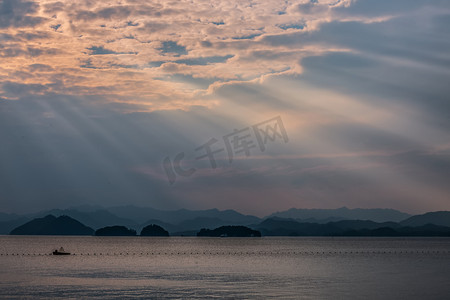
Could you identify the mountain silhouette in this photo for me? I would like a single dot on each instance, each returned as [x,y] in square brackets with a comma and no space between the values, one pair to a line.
[185,222]
[440,218]
[143,214]
[154,230]
[343,213]
[96,218]
[290,227]
[51,225]
[230,231]
[169,227]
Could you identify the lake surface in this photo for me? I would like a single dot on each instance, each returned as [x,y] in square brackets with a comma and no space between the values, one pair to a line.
[242,268]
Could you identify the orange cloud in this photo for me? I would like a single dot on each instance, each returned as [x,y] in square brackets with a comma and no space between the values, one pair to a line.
[137,50]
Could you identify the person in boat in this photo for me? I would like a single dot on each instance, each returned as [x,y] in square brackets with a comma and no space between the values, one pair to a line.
[60,252]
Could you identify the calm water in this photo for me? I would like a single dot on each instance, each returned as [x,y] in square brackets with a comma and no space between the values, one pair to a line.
[244,268]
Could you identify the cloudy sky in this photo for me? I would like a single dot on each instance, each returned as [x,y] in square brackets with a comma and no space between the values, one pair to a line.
[118,102]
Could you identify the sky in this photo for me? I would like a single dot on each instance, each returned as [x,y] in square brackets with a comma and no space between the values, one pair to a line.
[257,106]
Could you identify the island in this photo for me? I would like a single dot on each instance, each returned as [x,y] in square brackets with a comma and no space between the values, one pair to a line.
[230,231]
[51,225]
[154,230]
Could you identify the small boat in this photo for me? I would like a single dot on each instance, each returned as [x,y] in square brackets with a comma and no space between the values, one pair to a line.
[61,251]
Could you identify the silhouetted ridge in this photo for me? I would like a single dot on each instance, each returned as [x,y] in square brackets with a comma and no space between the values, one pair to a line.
[343,213]
[51,225]
[440,218]
[300,222]
[289,227]
[144,214]
[154,230]
[230,231]
[95,218]
[115,231]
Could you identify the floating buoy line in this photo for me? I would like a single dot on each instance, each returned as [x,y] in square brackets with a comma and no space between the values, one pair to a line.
[241,253]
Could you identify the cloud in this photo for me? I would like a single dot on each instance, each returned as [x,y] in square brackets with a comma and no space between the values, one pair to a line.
[100,50]
[202,61]
[18,13]
[17,50]
[40,68]
[171,47]
[311,7]
[107,13]
[212,42]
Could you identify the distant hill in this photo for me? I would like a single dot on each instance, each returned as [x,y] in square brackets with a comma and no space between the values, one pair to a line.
[343,213]
[51,225]
[183,221]
[359,224]
[230,231]
[143,214]
[290,227]
[93,218]
[154,230]
[440,218]
[189,222]
[169,227]
[186,227]
[115,231]
[427,230]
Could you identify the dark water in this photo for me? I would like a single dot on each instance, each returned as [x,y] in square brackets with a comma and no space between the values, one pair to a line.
[208,268]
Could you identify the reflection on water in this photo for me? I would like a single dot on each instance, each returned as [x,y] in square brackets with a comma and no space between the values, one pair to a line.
[205,268]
